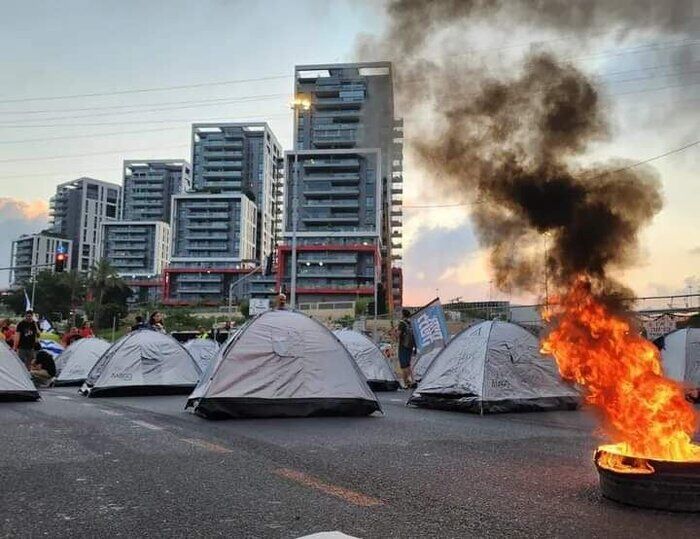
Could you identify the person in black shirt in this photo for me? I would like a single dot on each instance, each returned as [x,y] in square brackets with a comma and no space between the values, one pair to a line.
[26,338]
[407,346]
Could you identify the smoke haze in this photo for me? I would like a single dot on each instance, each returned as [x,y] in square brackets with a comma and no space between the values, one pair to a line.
[511,143]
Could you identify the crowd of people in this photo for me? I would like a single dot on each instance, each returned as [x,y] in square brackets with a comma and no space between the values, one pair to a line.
[24,337]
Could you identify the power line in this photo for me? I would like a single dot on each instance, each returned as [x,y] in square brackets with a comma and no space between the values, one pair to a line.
[136,105]
[73,156]
[145,90]
[638,48]
[604,174]
[161,109]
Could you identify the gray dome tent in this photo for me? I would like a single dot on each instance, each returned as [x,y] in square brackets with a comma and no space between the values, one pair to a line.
[493,367]
[202,350]
[143,362]
[75,362]
[372,362]
[680,354]
[423,361]
[283,364]
[15,383]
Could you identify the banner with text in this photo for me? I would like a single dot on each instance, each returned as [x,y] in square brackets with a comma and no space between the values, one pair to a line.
[429,327]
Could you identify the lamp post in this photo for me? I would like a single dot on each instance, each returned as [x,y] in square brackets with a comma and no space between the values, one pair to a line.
[232,286]
[299,104]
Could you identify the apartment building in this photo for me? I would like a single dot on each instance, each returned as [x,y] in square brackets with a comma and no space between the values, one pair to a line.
[149,186]
[136,249]
[213,241]
[242,158]
[78,210]
[33,253]
[347,144]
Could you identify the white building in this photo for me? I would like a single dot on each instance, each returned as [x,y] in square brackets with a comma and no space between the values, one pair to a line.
[136,249]
[33,253]
[78,210]
[213,239]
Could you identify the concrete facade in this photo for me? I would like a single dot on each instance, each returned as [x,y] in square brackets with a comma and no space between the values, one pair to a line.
[149,186]
[213,239]
[350,148]
[136,249]
[78,210]
[242,158]
[33,253]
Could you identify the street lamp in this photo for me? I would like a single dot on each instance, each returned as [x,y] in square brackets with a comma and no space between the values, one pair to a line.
[300,103]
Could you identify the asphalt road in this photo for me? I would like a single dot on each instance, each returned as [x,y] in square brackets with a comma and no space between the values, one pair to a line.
[143,467]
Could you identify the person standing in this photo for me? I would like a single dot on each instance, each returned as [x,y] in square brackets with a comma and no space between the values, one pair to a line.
[86,331]
[155,322]
[407,346]
[8,332]
[27,338]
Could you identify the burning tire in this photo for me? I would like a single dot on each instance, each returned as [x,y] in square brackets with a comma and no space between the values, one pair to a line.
[670,486]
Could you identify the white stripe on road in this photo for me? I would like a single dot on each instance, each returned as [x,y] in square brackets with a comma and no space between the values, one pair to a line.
[64,398]
[397,400]
[110,412]
[146,425]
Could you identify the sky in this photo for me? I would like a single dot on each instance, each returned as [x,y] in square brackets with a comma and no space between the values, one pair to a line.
[241,57]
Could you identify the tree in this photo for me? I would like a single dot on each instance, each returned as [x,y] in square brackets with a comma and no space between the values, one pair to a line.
[107,294]
[54,294]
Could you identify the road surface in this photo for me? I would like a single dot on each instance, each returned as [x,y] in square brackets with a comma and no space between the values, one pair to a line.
[144,467]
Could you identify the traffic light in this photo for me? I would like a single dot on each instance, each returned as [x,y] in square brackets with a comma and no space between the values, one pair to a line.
[60,262]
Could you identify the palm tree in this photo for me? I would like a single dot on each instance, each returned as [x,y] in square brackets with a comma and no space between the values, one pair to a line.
[76,285]
[102,277]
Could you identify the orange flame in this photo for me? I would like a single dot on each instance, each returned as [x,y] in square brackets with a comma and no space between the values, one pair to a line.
[621,375]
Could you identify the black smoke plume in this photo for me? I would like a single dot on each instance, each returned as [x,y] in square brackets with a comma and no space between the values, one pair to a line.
[512,144]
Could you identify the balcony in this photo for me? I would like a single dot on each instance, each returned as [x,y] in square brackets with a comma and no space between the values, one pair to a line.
[221,174]
[207,226]
[209,215]
[323,103]
[331,219]
[198,290]
[332,203]
[334,164]
[342,176]
[344,191]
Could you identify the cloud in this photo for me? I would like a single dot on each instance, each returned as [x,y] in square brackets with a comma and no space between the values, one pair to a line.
[18,217]
[694,251]
[430,254]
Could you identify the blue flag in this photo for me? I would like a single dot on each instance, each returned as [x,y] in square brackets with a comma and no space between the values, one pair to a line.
[429,327]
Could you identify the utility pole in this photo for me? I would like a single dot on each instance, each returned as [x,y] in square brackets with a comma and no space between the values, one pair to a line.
[233,284]
[295,221]
[299,104]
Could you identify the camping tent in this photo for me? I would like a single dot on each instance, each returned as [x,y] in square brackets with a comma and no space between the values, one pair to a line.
[75,362]
[423,361]
[202,350]
[283,364]
[372,362]
[143,362]
[493,367]
[680,353]
[15,383]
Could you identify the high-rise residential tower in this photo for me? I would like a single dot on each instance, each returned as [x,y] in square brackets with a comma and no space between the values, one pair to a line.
[347,165]
[149,186]
[242,158]
[78,210]
[213,242]
[138,245]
